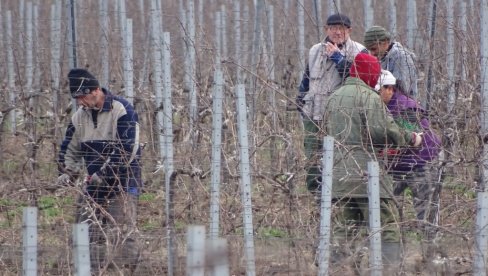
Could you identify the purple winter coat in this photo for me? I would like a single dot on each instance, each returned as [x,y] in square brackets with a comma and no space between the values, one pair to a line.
[408,114]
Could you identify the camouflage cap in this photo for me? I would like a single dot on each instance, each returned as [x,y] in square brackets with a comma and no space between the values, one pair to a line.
[374,35]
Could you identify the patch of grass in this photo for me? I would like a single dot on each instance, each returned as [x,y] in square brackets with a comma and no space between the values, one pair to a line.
[238,231]
[408,193]
[49,206]
[46,170]
[10,166]
[70,201]
[150,225]
[269,232]
[11,213]
[413,236]
[147,197]
[302,189]
[468,223]
[5,202]
[180,225]
[5,225]
[52,207]
[461,190]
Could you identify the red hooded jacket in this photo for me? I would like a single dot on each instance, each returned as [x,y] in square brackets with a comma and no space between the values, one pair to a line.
[367,68]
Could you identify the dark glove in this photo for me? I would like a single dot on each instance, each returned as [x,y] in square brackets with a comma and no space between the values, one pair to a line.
[299,101]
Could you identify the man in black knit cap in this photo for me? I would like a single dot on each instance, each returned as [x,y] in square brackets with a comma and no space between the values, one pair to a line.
[102,141]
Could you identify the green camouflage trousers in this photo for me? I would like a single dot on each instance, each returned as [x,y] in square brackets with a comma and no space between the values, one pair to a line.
[351,220]
[350,215]
[313,151]
[350,226]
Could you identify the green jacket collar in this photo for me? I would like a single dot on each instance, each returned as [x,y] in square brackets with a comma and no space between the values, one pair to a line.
[356,81]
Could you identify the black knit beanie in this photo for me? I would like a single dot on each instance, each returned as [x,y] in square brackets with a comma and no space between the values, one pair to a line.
[339,19]
[81,82]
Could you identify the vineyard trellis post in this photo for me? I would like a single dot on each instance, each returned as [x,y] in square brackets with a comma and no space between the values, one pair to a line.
[219,256]
[430,75]
[28,93]
[81,249]
[71,41]
[29,242]
[411,24]
[481,245]
[223,22]
[128,61]
[450,61]
[392,17]
[55,48]
[246,34]
[144,36]
[301,34]
[2,39]
[167,102]
[245,180]
[216,167]
[157,71]
[218,40]
[37,48]
[21,22]
[193,93]
[237,41]
[168,145]
[317,8]
[463,28]
[71,30]
[368,14]
[270,53]
[182,15]
[11,73]
[195,253]
[326,206]
[334,6]
[255,52]
[104,39]
[375,260]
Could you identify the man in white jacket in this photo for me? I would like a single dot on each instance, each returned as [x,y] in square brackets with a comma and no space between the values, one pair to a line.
[327,66]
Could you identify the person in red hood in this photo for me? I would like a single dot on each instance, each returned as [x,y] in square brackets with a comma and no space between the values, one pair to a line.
[361,125]
[367,68]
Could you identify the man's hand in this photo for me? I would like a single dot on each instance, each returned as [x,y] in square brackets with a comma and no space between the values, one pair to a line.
[331,48]
[94,179]
[333,52]
[417,139]
[64,180]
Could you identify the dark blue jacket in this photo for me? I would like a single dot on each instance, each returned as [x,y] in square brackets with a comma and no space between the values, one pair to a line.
[106,141]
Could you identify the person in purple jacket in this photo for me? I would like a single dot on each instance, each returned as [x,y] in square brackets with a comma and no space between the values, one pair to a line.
[410,167]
